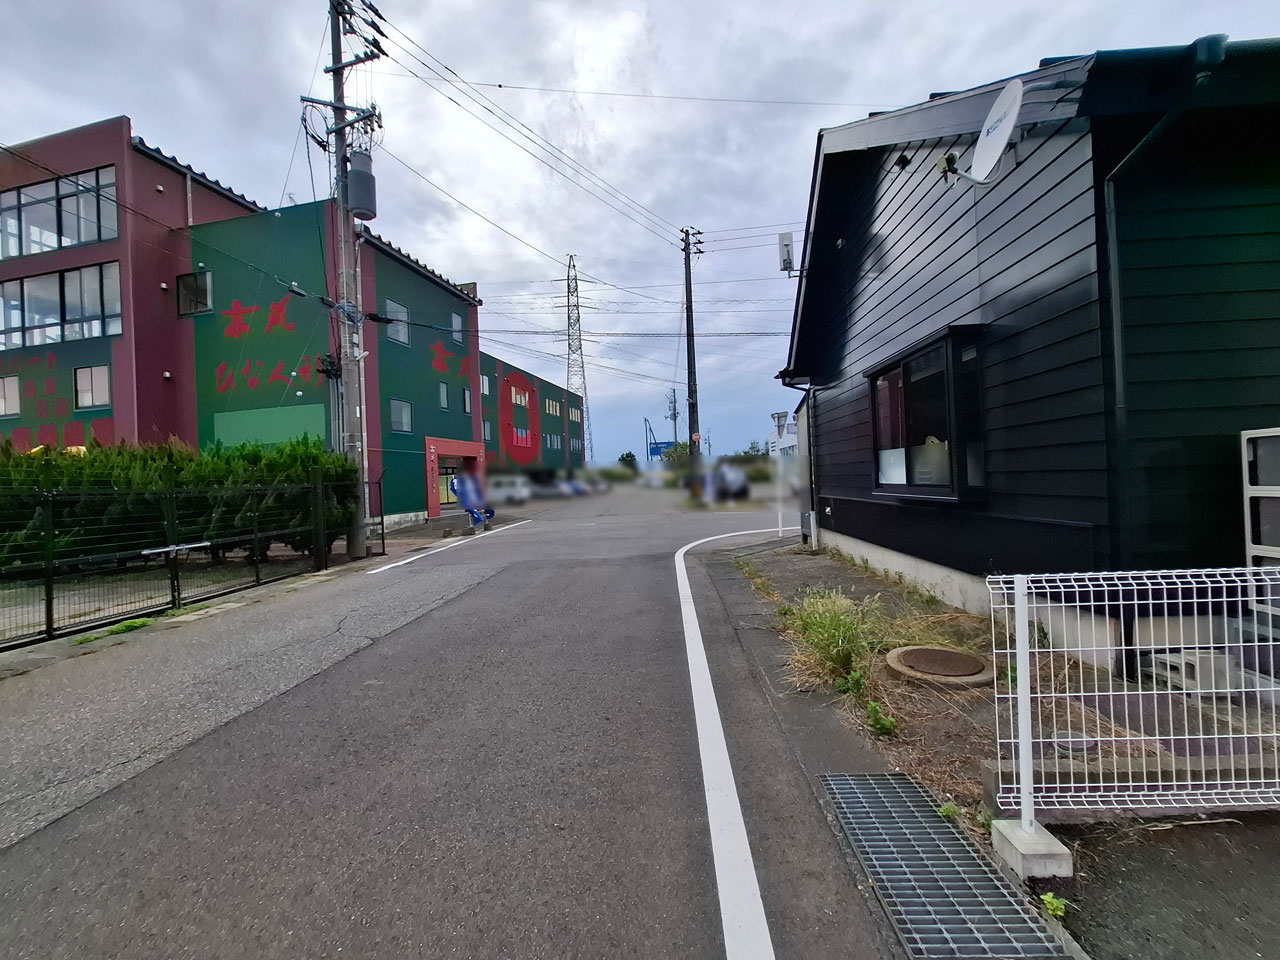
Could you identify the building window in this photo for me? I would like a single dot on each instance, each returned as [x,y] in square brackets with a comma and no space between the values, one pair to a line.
[575,414]
[93,387]
[52,307]
[59,213]
[457,327]
[401,416]
[9,399]
[519,397]
[488,430]
[466,399]
[193,293]
[484,384]
[521,437]
[927,421]
[444,395]
[397,322]
[553,407]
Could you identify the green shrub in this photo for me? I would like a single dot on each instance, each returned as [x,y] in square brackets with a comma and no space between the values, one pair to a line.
[759,474]
[616,474]
[852,683]
[881,724]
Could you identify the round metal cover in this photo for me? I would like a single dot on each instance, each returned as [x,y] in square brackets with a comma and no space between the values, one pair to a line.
[942,662]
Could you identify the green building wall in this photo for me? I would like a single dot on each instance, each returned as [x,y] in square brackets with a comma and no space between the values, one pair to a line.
[498,412]
[258,347]
[47,411]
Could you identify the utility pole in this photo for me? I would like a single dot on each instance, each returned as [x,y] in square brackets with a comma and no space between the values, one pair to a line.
[575,379]
[695,459]
[349,384]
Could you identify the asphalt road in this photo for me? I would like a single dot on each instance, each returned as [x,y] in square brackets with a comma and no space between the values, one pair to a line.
[487,752]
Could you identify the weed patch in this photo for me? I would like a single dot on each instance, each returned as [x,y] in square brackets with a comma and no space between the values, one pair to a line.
[130,625]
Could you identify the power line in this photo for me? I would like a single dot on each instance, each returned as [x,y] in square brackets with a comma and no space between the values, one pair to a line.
[669,96]
[547,144]
[751,246]
[757,226]
[509,139]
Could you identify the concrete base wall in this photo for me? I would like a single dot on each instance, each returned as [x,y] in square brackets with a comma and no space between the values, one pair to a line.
[954,587]
[396,521]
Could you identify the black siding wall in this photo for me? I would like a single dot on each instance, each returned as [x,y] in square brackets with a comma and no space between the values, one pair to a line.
[1018,257]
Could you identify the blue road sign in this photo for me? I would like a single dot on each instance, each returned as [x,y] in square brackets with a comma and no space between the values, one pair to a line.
[658,447]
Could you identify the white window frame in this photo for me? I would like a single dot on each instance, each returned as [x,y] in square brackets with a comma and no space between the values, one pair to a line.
[391,414]
[484,384]
[444,395]
[397,329]
[10,396]
[466,399]
[458,335]
[95,400]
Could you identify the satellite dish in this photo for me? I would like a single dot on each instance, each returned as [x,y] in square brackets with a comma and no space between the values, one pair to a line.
[996,131]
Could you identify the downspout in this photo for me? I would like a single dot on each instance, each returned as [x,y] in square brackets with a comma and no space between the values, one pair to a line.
[1207,52]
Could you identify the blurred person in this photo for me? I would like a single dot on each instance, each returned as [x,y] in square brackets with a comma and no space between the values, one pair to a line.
[469,489]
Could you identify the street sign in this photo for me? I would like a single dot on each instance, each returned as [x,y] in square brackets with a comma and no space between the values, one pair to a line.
[658,447]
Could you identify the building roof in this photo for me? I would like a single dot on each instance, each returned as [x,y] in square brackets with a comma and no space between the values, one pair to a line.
[1133,81]
[391,250]
[173,162]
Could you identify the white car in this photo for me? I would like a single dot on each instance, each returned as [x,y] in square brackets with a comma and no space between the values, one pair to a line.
[509,488]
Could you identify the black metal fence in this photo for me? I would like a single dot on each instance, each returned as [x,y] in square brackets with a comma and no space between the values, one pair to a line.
[72,561]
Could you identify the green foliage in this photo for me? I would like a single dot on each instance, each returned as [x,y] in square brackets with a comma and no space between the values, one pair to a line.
[628,460]
[1054,905]
[985,819]
[617,474]
[88,638]
[852,683]
[881,724]
[786,610]
[130,625]
[677,455]
[759,473]
[122,498]
[950,810]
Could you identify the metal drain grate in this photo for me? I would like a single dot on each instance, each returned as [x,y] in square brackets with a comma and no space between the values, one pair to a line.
[946,899]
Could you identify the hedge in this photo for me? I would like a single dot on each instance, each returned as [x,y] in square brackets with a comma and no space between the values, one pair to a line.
[116,500]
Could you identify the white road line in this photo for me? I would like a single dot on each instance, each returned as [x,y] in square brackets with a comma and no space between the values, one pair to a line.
[746,929]
[456,543]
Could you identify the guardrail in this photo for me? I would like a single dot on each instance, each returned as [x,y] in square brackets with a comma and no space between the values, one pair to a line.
[1153,691]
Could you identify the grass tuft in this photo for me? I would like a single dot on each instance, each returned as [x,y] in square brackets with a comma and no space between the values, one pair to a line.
[130,625]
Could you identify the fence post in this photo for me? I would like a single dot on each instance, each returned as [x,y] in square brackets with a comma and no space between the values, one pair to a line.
[1026,763]
[257,564]
[319,538]
[169,511]
[48,541]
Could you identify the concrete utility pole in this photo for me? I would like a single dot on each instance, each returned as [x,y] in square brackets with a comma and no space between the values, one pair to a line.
[695,459]
[350,386]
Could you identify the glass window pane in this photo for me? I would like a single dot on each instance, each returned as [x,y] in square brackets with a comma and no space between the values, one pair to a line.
[8,198]
[108,227]
[40,227]
[72,331]
[111,289]
[69,228]
[72,294]
[84,387]
[444,395]
[88,213]
[113,326]
[10,234]
[42,301]
[38,191]
[67,185]
[401,416]
[106,175]
[457,327]
[101,388]
[42,335]
[11,305]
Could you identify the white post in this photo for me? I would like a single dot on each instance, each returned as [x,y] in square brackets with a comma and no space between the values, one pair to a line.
[1026,765]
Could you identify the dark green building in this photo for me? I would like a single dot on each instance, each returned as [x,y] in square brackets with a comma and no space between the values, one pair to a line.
[1049,371]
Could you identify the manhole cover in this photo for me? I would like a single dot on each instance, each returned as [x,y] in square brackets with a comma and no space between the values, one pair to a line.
[942,662]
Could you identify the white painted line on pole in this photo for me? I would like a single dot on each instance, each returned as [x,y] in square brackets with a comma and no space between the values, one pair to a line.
[746,929]
[456,543]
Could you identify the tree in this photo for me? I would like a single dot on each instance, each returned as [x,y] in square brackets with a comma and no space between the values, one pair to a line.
[628,460]
[756,449]
[676,455]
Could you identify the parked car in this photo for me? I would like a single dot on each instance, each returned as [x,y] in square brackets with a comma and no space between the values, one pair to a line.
[556,488]
[579,488]
[509,488]
[730,483]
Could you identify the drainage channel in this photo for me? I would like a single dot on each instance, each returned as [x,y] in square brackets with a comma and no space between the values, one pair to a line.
[946,899]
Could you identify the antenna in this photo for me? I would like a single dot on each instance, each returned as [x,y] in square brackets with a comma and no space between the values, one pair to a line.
[997,130]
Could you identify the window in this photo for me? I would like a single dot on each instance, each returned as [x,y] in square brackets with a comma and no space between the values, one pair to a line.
[484,384]
[58,213]
[93,387]
[9,399]
[457,327]
[444,395]
[553,407]
[927,420]
[193,293]
[554,441]
[466,399]
[401,416]
[488,431]
[575,444]
[520,437]
[397,322]
[519,397]
[52,307]
[575,414]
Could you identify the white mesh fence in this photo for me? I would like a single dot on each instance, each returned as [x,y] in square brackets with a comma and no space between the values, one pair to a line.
[1152,691]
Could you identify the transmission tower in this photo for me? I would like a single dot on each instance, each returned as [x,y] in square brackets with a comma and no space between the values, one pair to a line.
[576,375]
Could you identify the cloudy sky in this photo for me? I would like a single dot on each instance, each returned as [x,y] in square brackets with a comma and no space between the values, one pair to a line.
[218,85]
